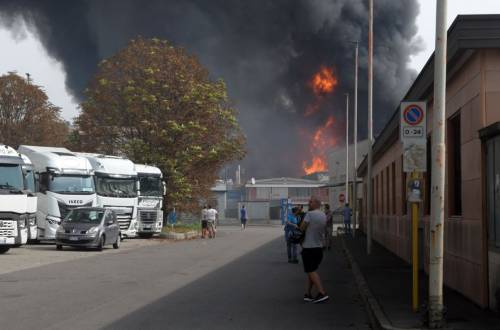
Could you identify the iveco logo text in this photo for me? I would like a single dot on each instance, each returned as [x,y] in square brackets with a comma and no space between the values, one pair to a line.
[75,201]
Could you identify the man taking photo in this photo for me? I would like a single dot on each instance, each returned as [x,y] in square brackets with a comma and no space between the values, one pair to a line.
[314,225]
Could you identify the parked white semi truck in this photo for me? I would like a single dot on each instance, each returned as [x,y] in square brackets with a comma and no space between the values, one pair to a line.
[151,191]
[117,186]
[32,199]
[13,200]
[64,181]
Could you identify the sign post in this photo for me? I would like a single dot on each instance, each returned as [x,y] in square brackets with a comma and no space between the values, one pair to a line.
[413,135]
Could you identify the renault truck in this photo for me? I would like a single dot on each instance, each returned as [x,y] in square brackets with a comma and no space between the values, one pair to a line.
[13,200]
[150,208]
[117,186]
[64,181]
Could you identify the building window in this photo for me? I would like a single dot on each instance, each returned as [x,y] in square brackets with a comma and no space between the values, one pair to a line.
[387,191]
[382,197]
[377,195]
[454,166]
[404,210]
[393,188]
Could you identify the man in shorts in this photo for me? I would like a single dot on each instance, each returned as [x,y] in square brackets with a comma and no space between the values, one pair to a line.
[314,225]
[204,222]
[211,220]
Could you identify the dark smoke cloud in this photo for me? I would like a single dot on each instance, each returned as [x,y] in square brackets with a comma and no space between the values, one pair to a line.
[266,51]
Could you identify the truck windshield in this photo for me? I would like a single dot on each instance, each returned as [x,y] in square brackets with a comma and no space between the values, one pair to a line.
[116,187]
[11,177]
[29,181]
[72,184]
[151,186]
[84,216]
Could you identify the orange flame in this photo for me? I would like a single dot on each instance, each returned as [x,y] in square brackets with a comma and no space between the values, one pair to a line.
[322,141]
[323,82]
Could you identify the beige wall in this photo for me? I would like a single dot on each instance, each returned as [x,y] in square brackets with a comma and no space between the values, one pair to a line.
[475,92]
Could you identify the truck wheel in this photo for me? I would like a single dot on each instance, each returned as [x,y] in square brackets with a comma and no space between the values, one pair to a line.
[59,247]
[101,243]
[145,235]
[117,243]
[4,249]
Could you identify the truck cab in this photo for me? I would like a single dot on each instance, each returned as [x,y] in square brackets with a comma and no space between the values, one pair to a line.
[13,200]
[29,186]
[151,192]
[117,185]
[64,181]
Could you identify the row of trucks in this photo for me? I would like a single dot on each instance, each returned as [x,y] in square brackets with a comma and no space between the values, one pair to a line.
[39,186]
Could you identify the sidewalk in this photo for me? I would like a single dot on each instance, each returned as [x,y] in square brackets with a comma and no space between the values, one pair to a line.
[388,279]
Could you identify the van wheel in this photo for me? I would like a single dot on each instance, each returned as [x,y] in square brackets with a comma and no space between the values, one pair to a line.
[59,247]
[4,249]
[117,243]
[101,243]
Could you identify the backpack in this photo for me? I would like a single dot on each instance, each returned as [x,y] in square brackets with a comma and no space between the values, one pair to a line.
[296,236]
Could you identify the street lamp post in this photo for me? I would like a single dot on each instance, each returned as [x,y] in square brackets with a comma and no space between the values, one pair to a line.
[347,148]
[369,202]
[355,162]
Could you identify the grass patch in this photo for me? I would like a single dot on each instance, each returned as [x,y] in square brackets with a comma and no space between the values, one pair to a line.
[181,228]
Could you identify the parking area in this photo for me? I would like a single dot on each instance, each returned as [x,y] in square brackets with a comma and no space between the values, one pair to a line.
[29,256]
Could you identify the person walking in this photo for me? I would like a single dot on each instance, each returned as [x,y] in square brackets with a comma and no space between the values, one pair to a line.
[291,223]
[211,220]
[329,227]
[243,217]
[312,250]
[347,218]
[204,222]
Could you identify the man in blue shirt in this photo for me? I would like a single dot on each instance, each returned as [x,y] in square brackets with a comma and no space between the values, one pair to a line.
[292,222]
[347,218]
[243,217]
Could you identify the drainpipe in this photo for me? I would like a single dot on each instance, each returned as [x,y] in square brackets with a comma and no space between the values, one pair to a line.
[369,204]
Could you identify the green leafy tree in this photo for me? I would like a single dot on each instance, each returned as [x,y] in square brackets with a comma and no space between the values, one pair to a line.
[157,104]
[27,116]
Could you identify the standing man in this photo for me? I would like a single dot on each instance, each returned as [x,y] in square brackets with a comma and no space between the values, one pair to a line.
[312,249]
[211,219]
[204,222]
[243,217]
[347,218]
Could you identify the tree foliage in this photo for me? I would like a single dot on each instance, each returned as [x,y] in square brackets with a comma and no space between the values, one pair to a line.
[27,116]
[157,104]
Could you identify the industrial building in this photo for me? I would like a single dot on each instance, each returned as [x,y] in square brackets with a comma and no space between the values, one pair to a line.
[472,196]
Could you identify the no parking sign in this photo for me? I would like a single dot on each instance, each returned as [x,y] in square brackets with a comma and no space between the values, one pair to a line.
[413,134]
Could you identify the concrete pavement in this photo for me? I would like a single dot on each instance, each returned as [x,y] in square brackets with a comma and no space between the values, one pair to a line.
[240,280]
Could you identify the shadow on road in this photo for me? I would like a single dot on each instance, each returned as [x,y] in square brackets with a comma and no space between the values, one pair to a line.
[260,290]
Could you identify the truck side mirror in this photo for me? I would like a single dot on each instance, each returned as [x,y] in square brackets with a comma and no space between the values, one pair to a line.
[164,188]
[138,185]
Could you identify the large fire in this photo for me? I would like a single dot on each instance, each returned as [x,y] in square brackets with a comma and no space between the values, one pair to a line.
[322,83]
[322,140]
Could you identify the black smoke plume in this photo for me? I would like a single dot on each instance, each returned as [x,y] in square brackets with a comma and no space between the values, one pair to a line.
[265,50]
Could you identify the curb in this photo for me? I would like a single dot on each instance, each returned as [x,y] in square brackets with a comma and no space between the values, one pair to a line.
[377,317]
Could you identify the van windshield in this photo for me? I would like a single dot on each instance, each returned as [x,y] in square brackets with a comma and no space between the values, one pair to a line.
[11,177]
[116,187]
[72,184]
[151,186]
[84,216]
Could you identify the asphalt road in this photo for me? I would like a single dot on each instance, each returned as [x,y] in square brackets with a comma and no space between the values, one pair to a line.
[240,280]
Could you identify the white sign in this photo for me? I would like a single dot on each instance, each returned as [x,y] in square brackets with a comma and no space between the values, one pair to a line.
[413,134]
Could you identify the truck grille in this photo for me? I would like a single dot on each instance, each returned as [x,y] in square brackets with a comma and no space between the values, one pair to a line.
[8,228]
[123,215]
[148,216]
[64,209]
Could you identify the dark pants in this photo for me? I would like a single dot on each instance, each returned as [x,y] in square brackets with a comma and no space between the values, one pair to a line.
[291,250]
[347,227]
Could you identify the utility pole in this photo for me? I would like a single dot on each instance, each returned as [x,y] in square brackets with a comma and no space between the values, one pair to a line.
[28,78]
[438,171]
[355,175]
[369,202]
[347,148]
